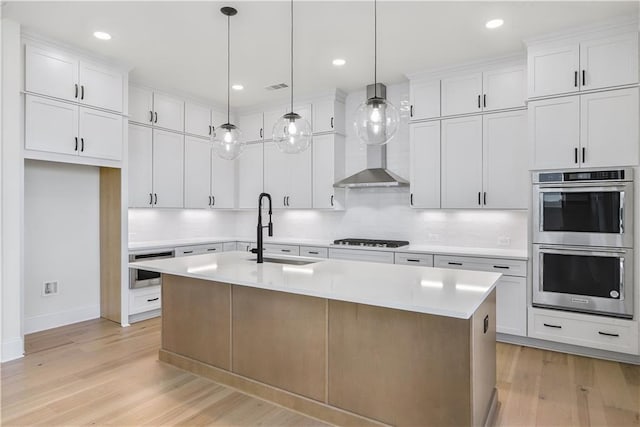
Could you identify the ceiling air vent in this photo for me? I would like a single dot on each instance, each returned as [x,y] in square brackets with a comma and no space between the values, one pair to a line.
[277,86]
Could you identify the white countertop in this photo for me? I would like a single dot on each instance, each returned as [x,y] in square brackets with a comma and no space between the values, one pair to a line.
[504,253]
[443,292]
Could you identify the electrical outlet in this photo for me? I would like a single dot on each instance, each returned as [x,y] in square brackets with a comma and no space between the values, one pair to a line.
[49,288]
[504,241]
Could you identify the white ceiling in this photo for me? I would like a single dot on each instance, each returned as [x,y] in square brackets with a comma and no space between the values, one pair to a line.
[181,45]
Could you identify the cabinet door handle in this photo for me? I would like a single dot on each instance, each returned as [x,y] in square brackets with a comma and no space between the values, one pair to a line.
[76,149]
[331,122]
[479,105]
[261,133]
[209,200]
[411,199]
[153,299]
[150,116]
[213,200]
[81,144]
[548,325]
[411,111]
[454,263]
[82,92]
[156,114]
[503,267]
[575,79]
[209,130]
[584,78]
[608,334]
[479,198]
[284,201]
[484,100]
[332,200]
[575,155]
[485,198]
[584,154]
[151,198]
[76,95]
[155,196]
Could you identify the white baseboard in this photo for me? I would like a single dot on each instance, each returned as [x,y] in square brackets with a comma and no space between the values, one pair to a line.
[61,318]
[12,348]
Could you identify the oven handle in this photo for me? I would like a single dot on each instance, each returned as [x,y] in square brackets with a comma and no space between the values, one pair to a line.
[580,188]
[572,250]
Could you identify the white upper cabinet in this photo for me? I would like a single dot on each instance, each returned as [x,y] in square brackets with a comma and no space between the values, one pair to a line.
[197,173]
[140,167]
[51,73]
[287,177]
[462,162]
[223,182]
[553,69]
[218,118]
[610,61]
[328,161]
[168,169]
[424,97]
[51,126]
[591,63]
[101,86]
[505,166]
[328,116]
[609,128]
[140,105]
[100,134]
[64,76]
[197,120]
[554,132]
[425,164]
[462,94]
[168,112]
[503,88]
[251,127]
[269,119]
[250,176]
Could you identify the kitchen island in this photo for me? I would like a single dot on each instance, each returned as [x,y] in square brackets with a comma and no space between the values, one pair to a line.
[351,343]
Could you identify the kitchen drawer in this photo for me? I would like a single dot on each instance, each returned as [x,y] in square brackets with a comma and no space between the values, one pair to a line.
[144,299]
[314,252]
[229,246]
[407,258]
[584,330]
[361,255]
[504,266]
[198,249]
[272,248]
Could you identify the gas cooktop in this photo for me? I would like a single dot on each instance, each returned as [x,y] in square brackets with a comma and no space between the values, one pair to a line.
[371,243]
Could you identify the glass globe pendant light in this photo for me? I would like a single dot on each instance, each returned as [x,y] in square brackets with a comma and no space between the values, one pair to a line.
[292,132]
[226,138]
[376,119]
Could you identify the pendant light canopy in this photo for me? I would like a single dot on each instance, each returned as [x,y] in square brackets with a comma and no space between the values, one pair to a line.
[226,139]
[376,119]
[292,132]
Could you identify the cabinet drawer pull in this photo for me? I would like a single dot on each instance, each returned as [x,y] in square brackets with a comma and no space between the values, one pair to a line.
[153,299]
[412,260]
[187,252]
[212,249]
[575,79]
[314,252]
[608,334]
[504,267]
[454,263]
[285,250]
[548,325]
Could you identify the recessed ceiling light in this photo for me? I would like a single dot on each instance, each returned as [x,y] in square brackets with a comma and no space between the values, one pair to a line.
[339,62]
[494,23]
[237,87]
[102,35]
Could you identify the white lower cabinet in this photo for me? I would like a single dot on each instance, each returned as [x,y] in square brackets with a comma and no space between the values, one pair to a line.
[250,176]
[144,299]
[275,248]
[511,289]
[604,333]
[408,258]
[424,140]
[314,252]
[361,255]
[199,249]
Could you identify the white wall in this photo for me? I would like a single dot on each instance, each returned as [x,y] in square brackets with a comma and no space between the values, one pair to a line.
[61,243]
[11,182]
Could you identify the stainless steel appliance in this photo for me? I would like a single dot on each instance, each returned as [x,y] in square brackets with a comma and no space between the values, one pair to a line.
[584,278]
[371,243]
[139,278]
[592,208]
[583,241]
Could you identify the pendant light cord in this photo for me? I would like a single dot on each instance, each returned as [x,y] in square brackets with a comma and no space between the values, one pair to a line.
[375,47]
[228,67]
[291,59]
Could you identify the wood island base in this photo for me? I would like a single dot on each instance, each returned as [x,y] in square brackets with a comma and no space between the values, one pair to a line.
[340,362]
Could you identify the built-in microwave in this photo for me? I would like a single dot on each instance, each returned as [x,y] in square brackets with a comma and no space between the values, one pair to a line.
[586,279]
[591,208]
[139,278]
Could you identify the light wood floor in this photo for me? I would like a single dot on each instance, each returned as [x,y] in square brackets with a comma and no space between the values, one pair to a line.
[98,373]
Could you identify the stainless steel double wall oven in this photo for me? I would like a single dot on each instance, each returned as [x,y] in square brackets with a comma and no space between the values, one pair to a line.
[583,241]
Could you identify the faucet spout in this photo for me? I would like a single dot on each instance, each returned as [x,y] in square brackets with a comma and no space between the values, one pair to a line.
[260,248]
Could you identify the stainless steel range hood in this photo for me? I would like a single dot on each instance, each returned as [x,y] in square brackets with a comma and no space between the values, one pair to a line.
[376,174]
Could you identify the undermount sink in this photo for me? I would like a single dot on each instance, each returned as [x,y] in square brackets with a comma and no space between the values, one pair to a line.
[284,261]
